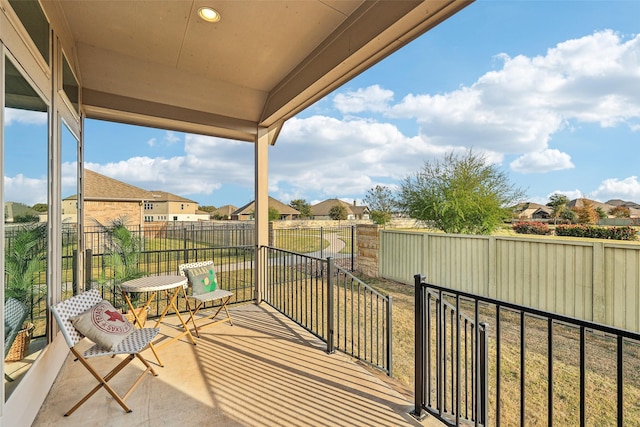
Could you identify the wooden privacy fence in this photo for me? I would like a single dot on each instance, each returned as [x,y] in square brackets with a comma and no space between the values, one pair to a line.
[595,281]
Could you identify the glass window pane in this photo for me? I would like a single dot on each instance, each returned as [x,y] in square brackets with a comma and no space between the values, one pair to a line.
[70,85]
[35,22]
[25,205]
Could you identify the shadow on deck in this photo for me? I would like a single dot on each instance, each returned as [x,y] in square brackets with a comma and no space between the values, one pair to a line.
[263,371]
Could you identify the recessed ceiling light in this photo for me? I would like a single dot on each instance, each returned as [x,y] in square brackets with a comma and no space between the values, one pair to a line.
[209,14]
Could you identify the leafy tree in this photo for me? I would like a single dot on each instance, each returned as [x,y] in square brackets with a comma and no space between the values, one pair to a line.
[601,213]
[274,214]
[569,215]
[620,212]
[26,217]
[338,212]
[558,203]
[122,253]
[587,213]
[303,207]
[381,202]
[40,207]
[24,259]
[459,194]
[207,208]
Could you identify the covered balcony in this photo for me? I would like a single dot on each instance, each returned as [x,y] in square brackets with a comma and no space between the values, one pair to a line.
[161,64]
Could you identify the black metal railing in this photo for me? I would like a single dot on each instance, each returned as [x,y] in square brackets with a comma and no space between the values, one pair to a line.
[235,267]
[542,368]
[337,242]
[451,358]
[331,303]
[178,235]
[165,246]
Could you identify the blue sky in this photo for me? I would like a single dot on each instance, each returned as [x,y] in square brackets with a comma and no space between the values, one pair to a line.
[547,90]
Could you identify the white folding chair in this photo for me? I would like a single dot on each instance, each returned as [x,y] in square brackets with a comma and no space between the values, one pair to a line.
[132,345]
[221,295]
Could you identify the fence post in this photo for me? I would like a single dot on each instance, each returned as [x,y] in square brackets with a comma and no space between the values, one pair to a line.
[184,238]
[483,386]
[74,272]
[353,246]
[330,306]
[418,411]
[88,259]
[389,338]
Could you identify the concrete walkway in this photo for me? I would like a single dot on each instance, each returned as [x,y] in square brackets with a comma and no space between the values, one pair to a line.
[263,371]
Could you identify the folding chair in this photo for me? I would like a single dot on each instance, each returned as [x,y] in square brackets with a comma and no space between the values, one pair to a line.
[15,313]
[201,297]
[132,345]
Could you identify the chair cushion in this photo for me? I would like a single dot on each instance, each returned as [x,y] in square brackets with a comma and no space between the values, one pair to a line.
[103,324]
[203,279]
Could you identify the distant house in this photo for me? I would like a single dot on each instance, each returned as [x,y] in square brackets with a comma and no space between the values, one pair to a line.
[525,211]
[106,199]
[247,212]
[542,213]
[322,209]
[170,207]
[579,203]
[634,208]
[624,203]
[223,212]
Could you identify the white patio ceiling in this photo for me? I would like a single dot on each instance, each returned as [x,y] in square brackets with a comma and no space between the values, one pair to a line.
[156,63]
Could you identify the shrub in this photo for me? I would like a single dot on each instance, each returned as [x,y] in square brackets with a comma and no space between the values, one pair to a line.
[526,227]
[593,232]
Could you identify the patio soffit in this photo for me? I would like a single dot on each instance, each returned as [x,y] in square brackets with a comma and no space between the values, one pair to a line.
[156,63]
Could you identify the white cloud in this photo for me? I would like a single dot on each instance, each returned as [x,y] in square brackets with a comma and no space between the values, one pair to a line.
[517,108]
[207,165]
[614,188]
[542,161]
[571,194]
[69,179]
[13,115]
[25,190]
[342,158]
[171,137]
[372,98]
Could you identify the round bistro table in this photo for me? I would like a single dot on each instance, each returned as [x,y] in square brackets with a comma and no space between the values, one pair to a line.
[171,286]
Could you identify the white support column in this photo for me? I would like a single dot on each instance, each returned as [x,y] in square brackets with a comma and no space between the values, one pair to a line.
[261,208]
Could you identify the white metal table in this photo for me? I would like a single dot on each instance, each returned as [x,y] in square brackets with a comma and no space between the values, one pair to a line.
[171,286]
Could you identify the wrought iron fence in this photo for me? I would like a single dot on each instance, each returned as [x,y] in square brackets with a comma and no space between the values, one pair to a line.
[337,242]
[179,235]
[165,246]
[541,368]
[234,271]
[451,361]
[331,303]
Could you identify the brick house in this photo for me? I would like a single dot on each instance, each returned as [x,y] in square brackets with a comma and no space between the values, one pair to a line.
[106,199]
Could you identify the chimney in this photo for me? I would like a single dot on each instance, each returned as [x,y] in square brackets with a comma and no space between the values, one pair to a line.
[354,203]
